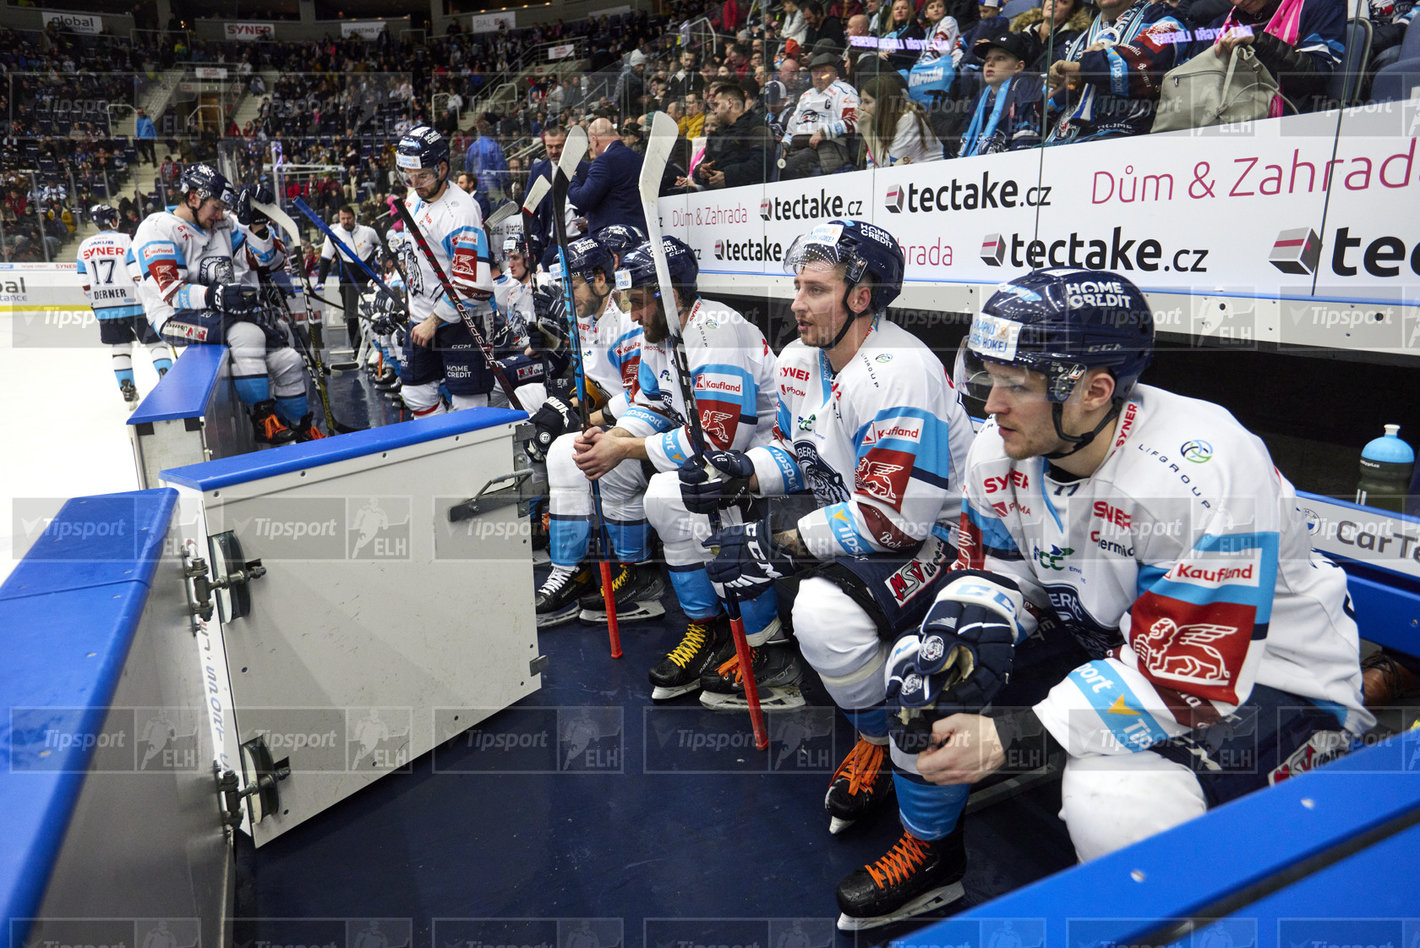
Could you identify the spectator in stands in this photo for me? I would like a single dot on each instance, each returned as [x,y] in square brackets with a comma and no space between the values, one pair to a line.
[605,188]
[860,57]
[631,85]
[737,58]
[826,114]
[990,23]
[1301,50]
[902,43]
[730,18]
[484,157]
[1118,65]
[794,26]
[739,149]
[821,27]
[686,79]
[1049,28]
[895,129]
[1006,115]
[1389,21]
[169,171]
[693,124]
[145,137]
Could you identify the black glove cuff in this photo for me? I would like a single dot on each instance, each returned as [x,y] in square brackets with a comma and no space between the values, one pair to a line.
[1020,730]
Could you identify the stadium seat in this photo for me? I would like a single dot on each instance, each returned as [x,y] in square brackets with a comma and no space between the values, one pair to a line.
[1349,77]
[1410,46]
[1015,8]
[1397,82]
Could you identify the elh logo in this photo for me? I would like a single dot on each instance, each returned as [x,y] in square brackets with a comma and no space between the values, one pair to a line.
[1296,251]
[993,250]
[894,197]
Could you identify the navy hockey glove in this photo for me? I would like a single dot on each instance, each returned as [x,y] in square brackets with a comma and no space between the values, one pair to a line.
[247,214]
[552,420]
[958,660]
[748,560]
[720,479]
[234,299]
[549,320]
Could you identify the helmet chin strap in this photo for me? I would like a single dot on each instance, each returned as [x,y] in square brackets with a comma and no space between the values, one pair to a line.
[1080,442]
[852,318]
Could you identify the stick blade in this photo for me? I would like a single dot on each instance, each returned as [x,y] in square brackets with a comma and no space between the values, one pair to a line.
[536,193]
[501,213]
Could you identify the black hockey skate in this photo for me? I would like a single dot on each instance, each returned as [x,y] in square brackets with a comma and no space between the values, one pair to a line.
[556,599]
[912,878]
[306,429]
[863,780]
[637,589]
[679,672]
[776,673]
[268,428]
[130,393]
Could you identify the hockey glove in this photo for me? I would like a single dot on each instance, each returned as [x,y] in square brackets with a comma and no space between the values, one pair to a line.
[234,299]
[552,420]
[958,660]
[720,479]
[248,215]
[549,321]
[748,560]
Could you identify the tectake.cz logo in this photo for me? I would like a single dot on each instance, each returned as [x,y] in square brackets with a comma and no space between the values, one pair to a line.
[1296,251]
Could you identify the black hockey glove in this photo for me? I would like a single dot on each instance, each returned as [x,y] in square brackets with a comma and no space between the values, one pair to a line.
[958,660]
[552,420]
[549,321]
[248,215]
[748,560]
[720,479]
[234,299]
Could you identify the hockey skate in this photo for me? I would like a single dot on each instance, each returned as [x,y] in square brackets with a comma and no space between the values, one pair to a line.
[306,429]
[130,393]
[637,590]
[387,380]
[776,673]
[268,428]
[860,783]
[912,878]
[679,672]
[556,599]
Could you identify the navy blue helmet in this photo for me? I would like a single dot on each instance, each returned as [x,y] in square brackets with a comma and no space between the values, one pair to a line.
[104,216]
[619,238]
[586,255]
[861,249]
[640,265]
[206,182]
[423,147]
[1061,323]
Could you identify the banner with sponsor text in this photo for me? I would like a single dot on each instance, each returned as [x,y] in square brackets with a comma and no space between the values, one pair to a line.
[1276,209]
[366,30]
[78,22]
[249,31]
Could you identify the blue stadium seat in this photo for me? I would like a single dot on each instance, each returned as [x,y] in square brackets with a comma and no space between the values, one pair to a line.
[1346,82]
[1410,45]
[1397,82]
[1015,8]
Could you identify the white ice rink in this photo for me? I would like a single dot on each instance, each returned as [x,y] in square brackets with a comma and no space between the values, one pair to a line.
[63,433]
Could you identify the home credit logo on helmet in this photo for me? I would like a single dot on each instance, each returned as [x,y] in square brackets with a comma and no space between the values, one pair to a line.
[1118,252]
[959,195]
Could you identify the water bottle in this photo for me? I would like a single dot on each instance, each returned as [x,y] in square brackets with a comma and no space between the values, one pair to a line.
[1386,466]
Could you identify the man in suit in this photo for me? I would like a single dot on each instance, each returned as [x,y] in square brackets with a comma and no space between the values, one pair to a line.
[605,188]
[542,240]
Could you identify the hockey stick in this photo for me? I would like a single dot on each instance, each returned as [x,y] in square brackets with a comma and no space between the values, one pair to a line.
[284,222]
[483,346]
[339,244]
[534,197]
[310,354]
[659,144]
[501,213]
[572,152]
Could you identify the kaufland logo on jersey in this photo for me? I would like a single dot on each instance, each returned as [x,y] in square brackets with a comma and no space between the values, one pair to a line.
[1213,573]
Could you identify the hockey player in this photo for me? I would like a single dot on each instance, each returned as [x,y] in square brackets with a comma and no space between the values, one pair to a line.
[732,374]
[1156,530]
[103,273]
[611,358]
[870,423]
[366,243]
[191,291]
[439,345]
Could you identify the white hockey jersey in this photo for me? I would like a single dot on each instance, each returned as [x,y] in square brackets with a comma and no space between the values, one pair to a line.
[733,371]
[252,255]
[833,113]
[453,228]
[103,272]
[611,353]
[363,240]
[1182,560]
[882,445]
[173,263]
